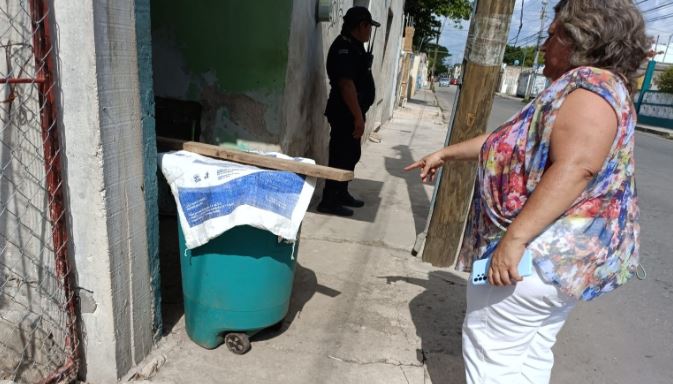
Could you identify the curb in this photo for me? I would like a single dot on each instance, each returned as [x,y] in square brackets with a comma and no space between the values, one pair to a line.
[506,96]
[442,112]
[659,132]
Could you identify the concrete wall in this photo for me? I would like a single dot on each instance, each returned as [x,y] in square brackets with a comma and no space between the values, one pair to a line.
[418,73]
[305,129]
[387,55]
[104,146]
[536,83]
[230,56]
[509,80]
[413,75]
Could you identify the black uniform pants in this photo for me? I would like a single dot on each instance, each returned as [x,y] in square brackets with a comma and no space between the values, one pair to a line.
[344,153]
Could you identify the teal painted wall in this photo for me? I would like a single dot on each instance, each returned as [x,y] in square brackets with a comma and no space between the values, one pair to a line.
[231,56]
[144,47]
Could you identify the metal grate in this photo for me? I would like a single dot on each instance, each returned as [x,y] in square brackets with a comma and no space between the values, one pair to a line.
[38,338]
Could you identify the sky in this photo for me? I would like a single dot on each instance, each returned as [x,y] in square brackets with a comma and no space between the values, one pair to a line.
[658,16]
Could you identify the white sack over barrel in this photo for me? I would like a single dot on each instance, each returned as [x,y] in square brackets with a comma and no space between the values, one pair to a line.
[214,196]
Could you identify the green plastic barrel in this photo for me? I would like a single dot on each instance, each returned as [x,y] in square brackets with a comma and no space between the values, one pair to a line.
[235,285]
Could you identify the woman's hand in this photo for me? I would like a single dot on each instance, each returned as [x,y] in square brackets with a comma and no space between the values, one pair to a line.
[504,267]
[428,166]
[466,150]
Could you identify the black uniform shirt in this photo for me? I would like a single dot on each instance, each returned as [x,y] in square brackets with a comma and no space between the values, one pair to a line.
[348,59]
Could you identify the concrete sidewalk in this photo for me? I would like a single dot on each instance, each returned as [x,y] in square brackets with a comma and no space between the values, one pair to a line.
[363,309]
[667,133]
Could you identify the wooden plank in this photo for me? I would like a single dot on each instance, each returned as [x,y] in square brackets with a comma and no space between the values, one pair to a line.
[483,57]
[314,170]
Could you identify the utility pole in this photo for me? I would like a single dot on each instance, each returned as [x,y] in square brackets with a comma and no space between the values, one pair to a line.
[485,49]
[434,60]
[537,51]
[667,45]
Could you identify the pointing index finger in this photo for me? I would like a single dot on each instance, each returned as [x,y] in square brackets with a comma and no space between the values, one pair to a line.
[418,164]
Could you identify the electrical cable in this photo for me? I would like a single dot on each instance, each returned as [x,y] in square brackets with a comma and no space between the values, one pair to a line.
[516,39]
[666,5]
[659,17]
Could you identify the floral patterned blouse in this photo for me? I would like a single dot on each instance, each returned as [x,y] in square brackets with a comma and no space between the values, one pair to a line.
[593,247]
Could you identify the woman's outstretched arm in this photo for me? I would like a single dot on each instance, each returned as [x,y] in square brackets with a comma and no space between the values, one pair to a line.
[466,150]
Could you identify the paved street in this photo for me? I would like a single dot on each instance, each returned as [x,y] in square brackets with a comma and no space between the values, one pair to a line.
[626,336]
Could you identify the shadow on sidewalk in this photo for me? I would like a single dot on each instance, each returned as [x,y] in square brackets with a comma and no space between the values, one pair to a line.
[304,287]
[438,315]
[427,103]
[367,190]
[420,203]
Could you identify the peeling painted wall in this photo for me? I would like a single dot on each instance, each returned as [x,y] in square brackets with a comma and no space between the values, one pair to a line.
[306,131]
[258,69]
[230,56]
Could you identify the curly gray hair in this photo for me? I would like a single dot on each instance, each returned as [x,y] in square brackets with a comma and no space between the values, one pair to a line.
[607,34]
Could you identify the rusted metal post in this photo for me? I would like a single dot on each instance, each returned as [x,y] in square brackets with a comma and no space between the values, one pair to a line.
[45,78]
[483,57]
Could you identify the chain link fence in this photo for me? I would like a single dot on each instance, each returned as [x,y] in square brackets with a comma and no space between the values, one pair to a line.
[38,339]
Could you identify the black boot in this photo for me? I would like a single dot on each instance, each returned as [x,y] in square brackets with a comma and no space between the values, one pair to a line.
[348,200]
[334,209]
[330,204]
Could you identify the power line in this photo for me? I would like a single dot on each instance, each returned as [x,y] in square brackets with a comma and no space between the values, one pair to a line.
[533,36]
[659,17]
[516,39]
[666,5]
[527,10]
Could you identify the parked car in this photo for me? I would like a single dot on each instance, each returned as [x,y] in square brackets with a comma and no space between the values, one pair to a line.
[454,82]
[443,82]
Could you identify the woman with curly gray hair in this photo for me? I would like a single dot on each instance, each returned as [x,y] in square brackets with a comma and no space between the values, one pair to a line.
[555,184]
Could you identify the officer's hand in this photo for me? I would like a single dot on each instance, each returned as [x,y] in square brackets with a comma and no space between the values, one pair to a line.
[359,129]
[428,166]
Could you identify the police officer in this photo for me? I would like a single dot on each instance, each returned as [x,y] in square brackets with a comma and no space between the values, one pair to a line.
[352,93]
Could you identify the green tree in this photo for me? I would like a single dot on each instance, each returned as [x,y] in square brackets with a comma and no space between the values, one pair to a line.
[665,80]
[521,53]
[425,15]
[442,54]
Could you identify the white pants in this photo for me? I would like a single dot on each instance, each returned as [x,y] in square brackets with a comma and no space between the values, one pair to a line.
[509,331]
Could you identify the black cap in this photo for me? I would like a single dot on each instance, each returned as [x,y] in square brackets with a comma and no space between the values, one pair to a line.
[356,15]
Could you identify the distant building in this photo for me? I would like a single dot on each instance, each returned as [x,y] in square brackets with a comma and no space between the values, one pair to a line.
[509,80]
[418,73]
[536,82]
